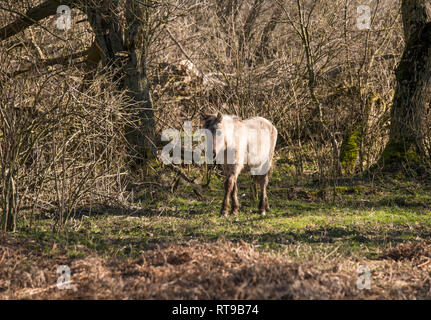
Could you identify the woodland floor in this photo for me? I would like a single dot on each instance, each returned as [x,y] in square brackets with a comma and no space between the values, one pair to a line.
[175,246]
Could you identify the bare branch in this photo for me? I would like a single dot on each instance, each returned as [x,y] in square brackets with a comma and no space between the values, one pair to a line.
[32,16]
[50,62]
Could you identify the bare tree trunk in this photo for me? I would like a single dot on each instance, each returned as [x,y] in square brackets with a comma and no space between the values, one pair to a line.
[263,49]
[246,34]
[137,85]
[406,139]
[128,66]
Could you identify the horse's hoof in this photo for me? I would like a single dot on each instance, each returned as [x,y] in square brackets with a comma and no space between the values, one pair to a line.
[224,214]
[235,212]
[263,213]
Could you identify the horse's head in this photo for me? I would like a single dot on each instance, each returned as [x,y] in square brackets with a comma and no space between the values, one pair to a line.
[213,123]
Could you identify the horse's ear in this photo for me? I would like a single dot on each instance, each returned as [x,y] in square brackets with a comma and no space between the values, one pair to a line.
[219,117]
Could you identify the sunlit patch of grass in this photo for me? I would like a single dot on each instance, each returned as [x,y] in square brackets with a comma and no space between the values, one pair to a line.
[360,220]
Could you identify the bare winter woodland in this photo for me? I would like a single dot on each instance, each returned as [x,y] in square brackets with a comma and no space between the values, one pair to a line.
[83,107]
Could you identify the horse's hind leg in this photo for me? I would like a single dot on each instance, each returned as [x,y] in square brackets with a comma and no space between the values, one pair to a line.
[263,203]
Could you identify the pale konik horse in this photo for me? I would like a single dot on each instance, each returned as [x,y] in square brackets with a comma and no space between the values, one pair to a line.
[238,144]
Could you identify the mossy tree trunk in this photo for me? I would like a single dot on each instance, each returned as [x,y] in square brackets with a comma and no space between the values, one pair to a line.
[406,139]
[349,150]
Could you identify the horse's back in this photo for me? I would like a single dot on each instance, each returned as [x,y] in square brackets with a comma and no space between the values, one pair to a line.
[260,123]
[261,140]
[262,126]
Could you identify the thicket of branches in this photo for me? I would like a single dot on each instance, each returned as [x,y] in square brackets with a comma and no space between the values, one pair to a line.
[303,64]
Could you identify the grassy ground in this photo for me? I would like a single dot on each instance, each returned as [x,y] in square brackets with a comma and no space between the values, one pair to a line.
[328,231]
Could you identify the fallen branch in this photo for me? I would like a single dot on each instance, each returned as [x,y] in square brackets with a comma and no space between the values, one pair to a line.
[197,189]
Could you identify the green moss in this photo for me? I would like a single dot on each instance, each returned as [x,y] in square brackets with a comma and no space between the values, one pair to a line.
[393,152]
[398,156]
[399,152]
[345,190]
[350,150]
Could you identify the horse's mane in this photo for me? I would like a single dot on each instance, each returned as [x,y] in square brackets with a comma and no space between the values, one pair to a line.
[233,117]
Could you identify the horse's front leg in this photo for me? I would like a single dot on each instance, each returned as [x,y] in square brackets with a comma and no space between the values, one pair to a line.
[229,185]
[235,202]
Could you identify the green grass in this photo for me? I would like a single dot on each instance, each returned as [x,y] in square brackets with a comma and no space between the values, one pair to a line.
[359,220]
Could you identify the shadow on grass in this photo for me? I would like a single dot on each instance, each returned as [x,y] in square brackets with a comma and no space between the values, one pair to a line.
[348,238]
[328,235]
[297,207]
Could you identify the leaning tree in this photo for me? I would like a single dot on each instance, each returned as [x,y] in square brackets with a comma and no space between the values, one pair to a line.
[118,33]
[406,145]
